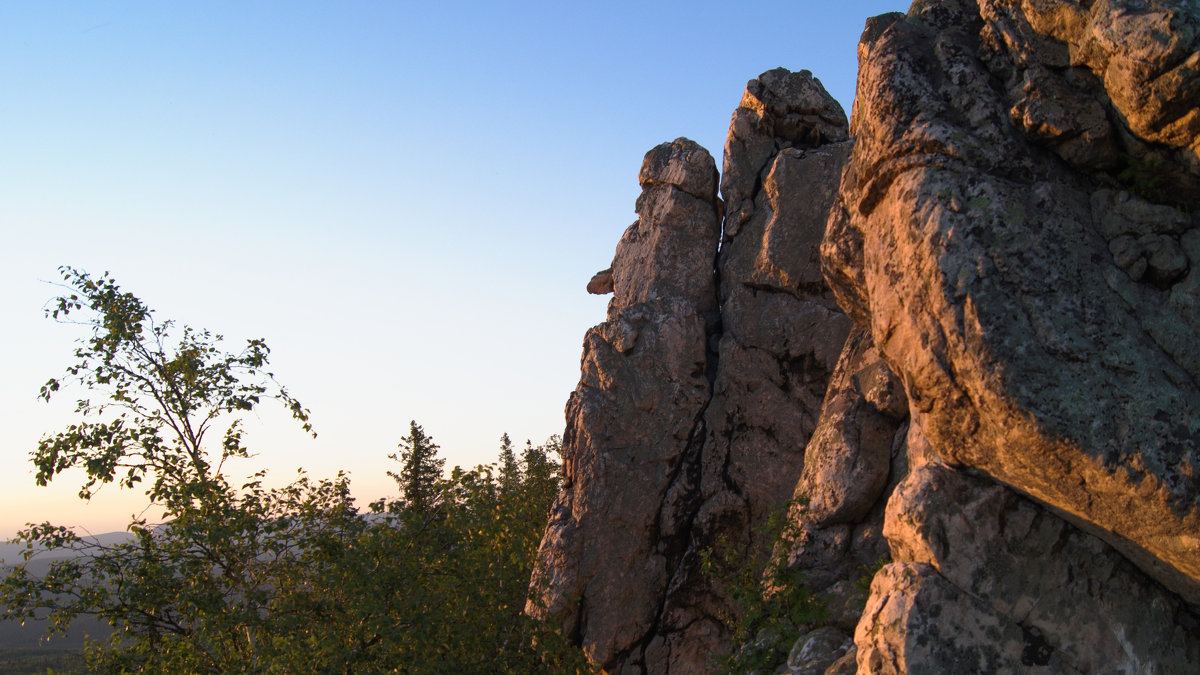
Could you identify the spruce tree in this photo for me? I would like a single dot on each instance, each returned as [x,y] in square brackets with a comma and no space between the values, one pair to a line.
[541,476]
[421,469]
[510,470]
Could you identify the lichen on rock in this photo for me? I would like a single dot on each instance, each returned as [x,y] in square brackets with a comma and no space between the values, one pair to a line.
[965,337]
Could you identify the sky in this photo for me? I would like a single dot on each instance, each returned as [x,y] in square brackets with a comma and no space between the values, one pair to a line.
[405,200]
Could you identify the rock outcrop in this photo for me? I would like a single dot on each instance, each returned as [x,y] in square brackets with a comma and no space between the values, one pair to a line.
[612,544]
[965,338]
[1038,315]
[987,281]
[697,397]
[779,340]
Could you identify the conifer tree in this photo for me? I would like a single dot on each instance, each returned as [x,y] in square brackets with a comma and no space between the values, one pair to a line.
[241,577]
[421,469]
[510,470]
[541,472]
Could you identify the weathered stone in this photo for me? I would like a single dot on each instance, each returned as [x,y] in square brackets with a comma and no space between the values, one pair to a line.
[846,665]
[1055,105]
[668,251]
[660,466]
[1143,237]
[815,651]
[782,329]
[917,623]
[848,458]
[779,109]
[1012,429]
[854,457]
[1117,213]
[1026,572]
[782,334]
[1135,61]
[601,282]
[604,563]
[979,266]
[1148,54]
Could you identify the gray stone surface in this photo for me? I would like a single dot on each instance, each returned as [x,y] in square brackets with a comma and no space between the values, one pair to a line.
[1089,609]
[601,282]
[696,402]
[781,338]
[974,356]
[917,623]
[779,109]
[983,269]
[816,651]
[605,559]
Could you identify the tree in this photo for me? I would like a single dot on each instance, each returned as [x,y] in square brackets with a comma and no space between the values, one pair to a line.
[542,474]
[245,578]
[510,470]
[161,397]
[421,469]
[465,567]
[196,592]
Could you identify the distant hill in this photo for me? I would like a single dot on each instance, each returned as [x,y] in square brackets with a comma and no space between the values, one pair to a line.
[11,553]
[14,636]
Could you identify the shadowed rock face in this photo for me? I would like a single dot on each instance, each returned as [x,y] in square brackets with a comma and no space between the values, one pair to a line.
[967,337]
[608,553]
[1021,589]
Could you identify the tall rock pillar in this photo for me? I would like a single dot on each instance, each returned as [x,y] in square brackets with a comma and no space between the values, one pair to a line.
[701,390]
[608,552]
[781,335]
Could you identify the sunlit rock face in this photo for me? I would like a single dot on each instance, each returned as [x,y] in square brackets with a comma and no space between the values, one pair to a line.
[965,336]
[781,333]
[981,256]
[1016,231]
[698,397]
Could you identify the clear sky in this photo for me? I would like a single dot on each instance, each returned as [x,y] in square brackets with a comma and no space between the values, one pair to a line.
[404,199]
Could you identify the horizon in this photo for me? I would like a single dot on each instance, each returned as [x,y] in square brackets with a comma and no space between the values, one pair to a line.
[405,202]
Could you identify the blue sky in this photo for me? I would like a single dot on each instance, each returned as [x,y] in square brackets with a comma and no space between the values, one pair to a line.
[405,200]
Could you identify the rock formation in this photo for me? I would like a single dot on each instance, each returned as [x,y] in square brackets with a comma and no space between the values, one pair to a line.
[614,540]
[966,338]
[697,397]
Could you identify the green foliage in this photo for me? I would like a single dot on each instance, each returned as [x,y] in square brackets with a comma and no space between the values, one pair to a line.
[421,469]
[201,592]
[161,395]
[1144,178]
[245,578]
[465,567]
[541,474]
[863,582]
[772,604]
[510,471]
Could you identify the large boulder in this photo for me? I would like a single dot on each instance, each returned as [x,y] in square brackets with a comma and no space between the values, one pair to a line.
[854,458]
[1028,304]
[987,581]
